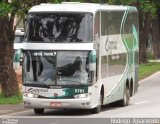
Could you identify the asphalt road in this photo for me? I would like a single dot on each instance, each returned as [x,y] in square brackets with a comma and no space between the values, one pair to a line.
[145,104]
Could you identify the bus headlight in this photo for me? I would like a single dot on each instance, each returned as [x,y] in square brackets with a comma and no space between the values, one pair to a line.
[78,96]
[31,95]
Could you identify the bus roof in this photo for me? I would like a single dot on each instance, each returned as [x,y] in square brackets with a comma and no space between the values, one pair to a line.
[78,7]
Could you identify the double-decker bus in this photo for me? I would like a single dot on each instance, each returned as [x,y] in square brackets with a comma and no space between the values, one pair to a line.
[80,56]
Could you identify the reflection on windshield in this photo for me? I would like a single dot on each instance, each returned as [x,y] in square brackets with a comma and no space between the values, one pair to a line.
[39,68]
[72,68]
[60,27]
[56,68]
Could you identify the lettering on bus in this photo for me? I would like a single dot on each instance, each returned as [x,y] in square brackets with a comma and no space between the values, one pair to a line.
[111,43]
[37,90]
[79,91]
[44,53]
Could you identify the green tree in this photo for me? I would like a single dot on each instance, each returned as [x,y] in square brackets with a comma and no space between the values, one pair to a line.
[8,11]
[147,10]
[155,30]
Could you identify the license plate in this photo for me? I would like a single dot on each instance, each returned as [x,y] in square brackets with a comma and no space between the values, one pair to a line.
[55,103]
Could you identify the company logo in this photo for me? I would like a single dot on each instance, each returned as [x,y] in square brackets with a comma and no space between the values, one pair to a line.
[37,90]
[55,94]
[111,43]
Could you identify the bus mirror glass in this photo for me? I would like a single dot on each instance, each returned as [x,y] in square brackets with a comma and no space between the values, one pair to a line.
[16,59]
[92,61]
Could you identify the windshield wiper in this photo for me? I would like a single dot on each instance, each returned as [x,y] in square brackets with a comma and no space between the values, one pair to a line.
[31,83]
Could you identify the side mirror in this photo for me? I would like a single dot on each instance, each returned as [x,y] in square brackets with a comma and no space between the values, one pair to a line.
[16,59]
[92,60]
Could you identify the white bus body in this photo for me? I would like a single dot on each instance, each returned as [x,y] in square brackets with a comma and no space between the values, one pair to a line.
[80,56]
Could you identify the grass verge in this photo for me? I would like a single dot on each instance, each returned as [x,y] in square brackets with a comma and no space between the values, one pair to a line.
[17,99]
[148,69]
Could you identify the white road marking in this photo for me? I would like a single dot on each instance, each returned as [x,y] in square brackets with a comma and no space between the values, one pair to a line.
[14,113]
[138,103]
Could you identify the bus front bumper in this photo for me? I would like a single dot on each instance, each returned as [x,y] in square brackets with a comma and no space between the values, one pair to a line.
[82,103]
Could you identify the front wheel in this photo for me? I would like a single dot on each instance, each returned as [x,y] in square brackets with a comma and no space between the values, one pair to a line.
[38,111]
[98,108]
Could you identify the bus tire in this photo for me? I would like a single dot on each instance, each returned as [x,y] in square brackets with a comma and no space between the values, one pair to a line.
[38,111]
[126,98]
[98,108]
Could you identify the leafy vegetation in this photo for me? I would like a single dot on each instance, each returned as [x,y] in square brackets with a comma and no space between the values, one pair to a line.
[150,55]
[4,9]
[148,69]
[16,99]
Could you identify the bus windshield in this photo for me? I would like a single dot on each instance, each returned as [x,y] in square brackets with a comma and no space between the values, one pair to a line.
[56,68]
[72,68]
[39,67]
[60,27]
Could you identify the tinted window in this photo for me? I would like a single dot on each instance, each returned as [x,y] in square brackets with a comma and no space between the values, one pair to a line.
[111,22]
[56,68]
[72,68]
[60,27]
[39,67]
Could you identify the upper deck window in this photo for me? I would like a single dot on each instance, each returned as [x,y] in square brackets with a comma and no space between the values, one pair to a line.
[60,27]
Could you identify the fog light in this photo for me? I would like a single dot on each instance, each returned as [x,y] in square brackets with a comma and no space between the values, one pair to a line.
[83,104]
[27,103]
[31,95]
[87,103]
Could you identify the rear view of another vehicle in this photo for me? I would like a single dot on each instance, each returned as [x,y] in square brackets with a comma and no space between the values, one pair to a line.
[18,44]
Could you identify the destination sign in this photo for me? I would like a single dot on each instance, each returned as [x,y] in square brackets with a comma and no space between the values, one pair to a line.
[44,53]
